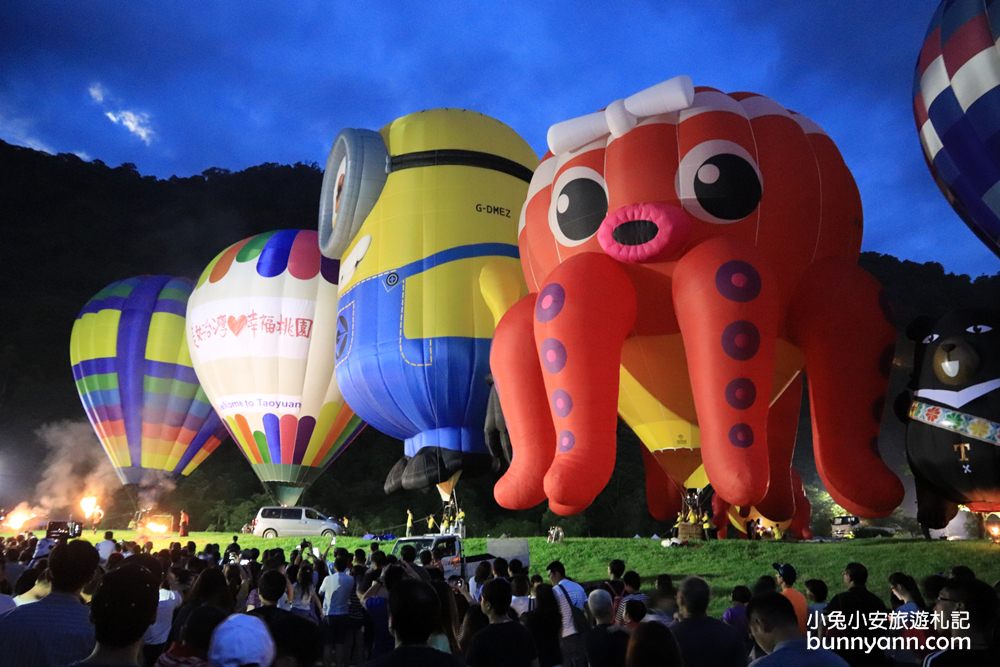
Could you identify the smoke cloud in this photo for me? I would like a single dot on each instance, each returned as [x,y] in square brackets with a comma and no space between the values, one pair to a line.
[75,466]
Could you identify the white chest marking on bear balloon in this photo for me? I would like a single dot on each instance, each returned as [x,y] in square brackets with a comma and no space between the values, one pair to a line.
[957,399]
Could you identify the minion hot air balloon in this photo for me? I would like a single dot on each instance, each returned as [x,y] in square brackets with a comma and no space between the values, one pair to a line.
[133,371]
[424,215]
[261,326]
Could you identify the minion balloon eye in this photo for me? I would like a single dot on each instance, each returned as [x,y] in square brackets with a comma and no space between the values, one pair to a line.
[355,174]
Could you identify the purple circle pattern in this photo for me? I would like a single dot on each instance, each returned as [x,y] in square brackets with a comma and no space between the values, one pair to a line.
[562,403]
[741,340]
[741,393]
[741,435]
[550,302]
[566,441]
[738,281]
[553,354]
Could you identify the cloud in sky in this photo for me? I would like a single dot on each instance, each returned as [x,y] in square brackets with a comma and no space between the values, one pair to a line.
[221,86]
[96,91]
[136,122]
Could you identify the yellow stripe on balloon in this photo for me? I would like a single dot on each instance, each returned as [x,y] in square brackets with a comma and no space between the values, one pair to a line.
[327,415]
[166,338]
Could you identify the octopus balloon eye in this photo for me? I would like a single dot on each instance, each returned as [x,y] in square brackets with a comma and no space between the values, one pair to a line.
[579,205]
[727,187]
[719,182]
[979,328]
[930,338]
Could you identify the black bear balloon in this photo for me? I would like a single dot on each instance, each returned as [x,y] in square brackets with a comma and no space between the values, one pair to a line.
[953,434]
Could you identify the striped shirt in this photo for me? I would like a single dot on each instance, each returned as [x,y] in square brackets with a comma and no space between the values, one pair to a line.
[620,614]
[52,632]
[569,593]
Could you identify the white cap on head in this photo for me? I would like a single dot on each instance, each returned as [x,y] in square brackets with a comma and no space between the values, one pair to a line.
[239,640]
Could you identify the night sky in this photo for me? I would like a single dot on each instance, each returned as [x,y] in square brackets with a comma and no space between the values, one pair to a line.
[177,88]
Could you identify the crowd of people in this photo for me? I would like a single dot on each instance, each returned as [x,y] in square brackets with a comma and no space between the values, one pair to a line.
[122,603]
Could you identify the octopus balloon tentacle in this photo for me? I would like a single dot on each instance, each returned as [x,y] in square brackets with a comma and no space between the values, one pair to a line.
[585,294]
[727,308]
[518,381]
[846,422]
[782,425]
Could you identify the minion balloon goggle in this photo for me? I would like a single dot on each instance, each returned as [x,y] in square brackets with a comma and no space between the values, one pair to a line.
[356,171]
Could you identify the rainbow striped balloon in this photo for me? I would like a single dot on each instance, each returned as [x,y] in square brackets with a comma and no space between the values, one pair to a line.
[134,375]
[261,325]
[956,104]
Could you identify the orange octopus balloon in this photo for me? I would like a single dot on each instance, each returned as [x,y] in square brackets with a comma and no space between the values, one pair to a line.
[705,244]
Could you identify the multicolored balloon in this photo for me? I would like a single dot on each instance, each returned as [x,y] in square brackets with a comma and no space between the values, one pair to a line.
[705,246]
[422,214]
[134,374]
[956,105]
[262,324]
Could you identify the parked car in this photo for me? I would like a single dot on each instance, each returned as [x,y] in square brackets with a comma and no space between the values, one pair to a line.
[287,521]
[844,526]
[452,549]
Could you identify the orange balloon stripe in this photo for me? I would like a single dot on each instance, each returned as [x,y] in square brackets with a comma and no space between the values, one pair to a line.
[221,267]
[249,443]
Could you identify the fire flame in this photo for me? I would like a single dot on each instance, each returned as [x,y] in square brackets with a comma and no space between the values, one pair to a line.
[156,527]
[995,530]
[89,506]
[18,518]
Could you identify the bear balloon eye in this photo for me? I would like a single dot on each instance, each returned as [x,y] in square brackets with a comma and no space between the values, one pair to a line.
[979,328]
[579,205]
[930,338]
[719,182]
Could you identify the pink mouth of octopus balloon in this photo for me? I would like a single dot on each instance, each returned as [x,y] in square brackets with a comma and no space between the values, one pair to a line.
[644,232]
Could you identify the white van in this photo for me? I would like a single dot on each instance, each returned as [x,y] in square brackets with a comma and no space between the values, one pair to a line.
[288,521]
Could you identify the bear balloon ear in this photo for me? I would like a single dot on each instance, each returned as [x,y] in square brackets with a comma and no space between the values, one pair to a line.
[356,170]
[920,328]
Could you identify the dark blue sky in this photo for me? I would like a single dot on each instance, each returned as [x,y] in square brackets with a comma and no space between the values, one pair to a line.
[177,87]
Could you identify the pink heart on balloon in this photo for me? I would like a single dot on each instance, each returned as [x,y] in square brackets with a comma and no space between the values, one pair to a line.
[236,324]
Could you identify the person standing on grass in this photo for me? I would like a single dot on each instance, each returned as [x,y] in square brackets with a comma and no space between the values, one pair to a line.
[979,600]
[632,585]
[775,627]
[856,600]
[785,579]
[56,630]
[816,594]
[736,615]
[504,642]
[123,608]
[336,592]
[414,614]
[704,640]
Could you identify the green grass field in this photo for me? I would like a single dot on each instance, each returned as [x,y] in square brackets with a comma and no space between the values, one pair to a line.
[724,564]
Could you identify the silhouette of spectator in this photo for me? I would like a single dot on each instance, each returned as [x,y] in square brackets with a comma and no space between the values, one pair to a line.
[56,630]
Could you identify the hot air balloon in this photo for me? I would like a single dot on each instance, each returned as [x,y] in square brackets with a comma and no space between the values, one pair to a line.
[133,371]
[262,323]
[423,213]
[705,244]
[795,523]
[952,412]
[956,105]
